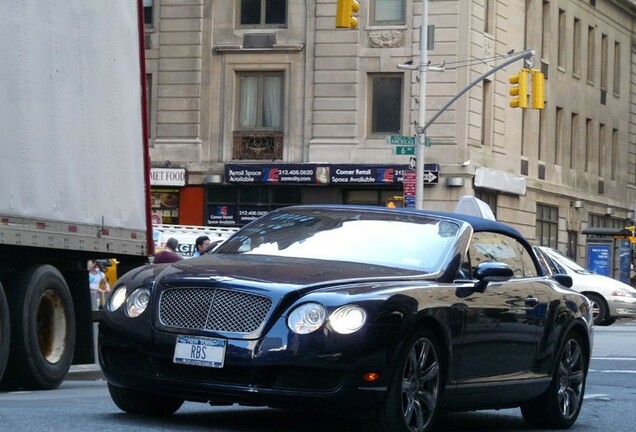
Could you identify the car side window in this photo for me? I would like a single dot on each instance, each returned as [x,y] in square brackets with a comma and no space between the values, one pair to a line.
[496,247]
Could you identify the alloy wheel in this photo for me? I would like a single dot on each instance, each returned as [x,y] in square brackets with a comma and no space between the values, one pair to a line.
[571,378]
[420,385]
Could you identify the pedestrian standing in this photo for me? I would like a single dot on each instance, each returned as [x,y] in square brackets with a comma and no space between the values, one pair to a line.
[169,254]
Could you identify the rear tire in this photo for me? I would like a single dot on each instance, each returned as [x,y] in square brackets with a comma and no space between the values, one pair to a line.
[136,402]
[412,400]
[599,308]
[5,332]
[559,406]
[42,329]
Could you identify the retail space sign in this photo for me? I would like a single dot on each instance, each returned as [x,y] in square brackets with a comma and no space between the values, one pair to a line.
[167,177]
[326,174]
[599,258]
[232,215]
[276,173]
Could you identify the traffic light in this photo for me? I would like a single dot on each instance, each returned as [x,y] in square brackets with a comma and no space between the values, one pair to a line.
[344,14]
[538,89]
[519,89]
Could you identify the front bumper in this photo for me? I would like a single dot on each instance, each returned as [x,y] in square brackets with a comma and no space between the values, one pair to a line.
[622,307]
[266,372]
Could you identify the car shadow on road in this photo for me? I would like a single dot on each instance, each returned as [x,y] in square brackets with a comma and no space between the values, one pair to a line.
[243,419]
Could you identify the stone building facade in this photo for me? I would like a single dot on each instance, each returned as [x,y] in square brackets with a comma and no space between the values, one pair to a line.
[265,103]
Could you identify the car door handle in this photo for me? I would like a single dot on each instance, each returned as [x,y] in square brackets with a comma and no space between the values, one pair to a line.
[532,301]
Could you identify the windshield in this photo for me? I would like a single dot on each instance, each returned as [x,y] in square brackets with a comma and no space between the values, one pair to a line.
[390,239]
[564,261]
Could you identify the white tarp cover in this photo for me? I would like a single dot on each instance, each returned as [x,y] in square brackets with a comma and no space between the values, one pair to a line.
[71,146]
[500,181]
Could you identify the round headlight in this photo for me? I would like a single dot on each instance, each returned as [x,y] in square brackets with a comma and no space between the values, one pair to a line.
[117,298]
[137,302]
[306,318]
[347,319]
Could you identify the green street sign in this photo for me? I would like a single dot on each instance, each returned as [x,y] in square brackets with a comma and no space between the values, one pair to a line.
[404,150]
[400,140]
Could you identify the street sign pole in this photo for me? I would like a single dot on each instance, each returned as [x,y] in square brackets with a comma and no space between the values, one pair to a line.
[421,133]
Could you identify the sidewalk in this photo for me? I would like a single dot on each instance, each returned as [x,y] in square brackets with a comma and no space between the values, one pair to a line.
[88,372]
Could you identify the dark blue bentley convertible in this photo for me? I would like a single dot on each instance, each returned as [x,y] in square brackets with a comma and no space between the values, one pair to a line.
[390,315]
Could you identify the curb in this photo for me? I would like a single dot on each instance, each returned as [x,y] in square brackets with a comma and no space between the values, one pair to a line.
[90,372]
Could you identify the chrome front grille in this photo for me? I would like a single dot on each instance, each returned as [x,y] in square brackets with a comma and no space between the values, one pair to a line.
[213,309]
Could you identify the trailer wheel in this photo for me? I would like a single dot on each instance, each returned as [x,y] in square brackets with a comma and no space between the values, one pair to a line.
[43,329]
[5,332]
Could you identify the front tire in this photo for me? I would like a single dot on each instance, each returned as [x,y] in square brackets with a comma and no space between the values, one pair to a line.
[42,329]
[135,402]
[599,308]
[414,393]
[559,406]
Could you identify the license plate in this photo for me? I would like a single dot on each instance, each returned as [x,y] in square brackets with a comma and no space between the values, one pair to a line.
[200,351]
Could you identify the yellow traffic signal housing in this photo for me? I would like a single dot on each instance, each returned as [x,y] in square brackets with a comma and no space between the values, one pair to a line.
[519,89]
[344,14]
[538,89]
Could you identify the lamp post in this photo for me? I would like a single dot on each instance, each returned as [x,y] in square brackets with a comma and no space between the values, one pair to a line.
[421,120]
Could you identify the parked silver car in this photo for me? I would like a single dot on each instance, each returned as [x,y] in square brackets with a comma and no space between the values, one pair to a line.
[611,299]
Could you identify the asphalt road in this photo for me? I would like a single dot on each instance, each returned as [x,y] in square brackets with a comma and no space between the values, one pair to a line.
[82,403]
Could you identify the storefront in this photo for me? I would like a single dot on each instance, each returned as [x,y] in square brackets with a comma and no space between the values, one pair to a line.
[165,194]
[252,190]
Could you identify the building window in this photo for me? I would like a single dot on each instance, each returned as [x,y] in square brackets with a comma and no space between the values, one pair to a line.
[489,198]
[558,138]
[487,108]
[604,48]
[263,13]
[489,17]
[589,129]
[574,138]
[385,12]
[148,14]
[546,34]
[386,103]
[547,225]
[602,150]
[561,40]
[576,49]
[591,52]
[617,69]
[260,116]
[614,154]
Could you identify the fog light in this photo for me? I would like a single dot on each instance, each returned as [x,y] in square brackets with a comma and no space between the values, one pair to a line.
[371,376]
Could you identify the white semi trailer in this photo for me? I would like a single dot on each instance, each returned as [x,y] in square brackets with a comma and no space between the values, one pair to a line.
[73,174]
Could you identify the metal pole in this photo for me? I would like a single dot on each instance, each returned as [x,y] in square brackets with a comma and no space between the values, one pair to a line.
[421,133]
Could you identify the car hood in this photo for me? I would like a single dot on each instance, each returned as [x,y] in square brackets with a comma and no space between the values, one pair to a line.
[597,283]
[273,272]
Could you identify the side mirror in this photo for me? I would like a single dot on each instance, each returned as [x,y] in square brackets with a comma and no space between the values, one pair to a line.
[491,272]
[564,280]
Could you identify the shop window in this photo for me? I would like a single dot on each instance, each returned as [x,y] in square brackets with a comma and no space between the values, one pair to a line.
[239,205]
[164,204]
[260,116]
[370,197]
[387,12]
[262,13]
[386,103]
